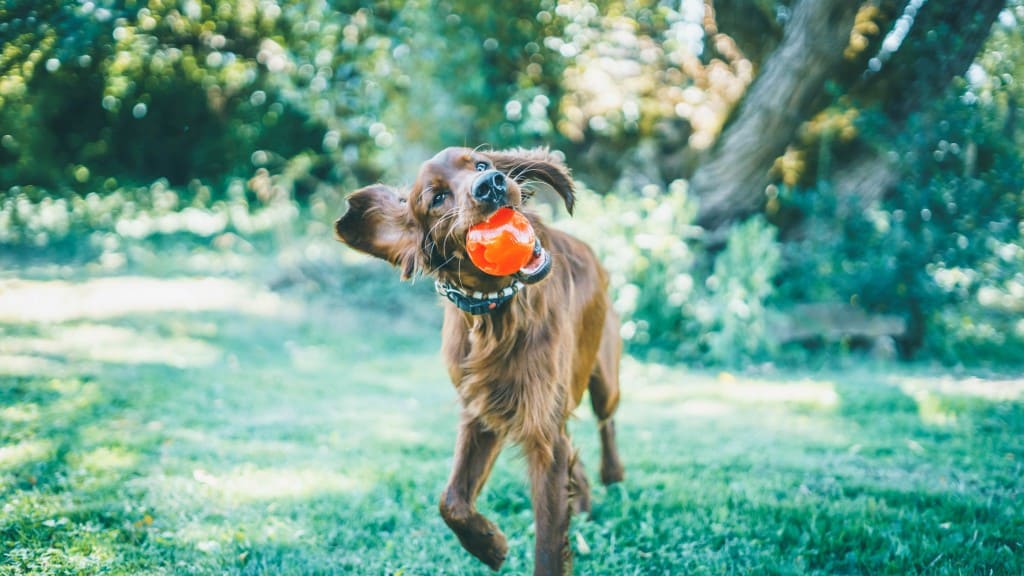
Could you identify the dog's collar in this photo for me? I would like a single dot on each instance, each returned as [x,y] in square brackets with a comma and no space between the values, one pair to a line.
[477,303]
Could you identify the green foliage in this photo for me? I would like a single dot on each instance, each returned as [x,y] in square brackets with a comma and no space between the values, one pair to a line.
[943,250]
[211,90]
[734,315]
[133,227]
[217,120]
[140,92]
[671,307]
[643,242]
[467,73]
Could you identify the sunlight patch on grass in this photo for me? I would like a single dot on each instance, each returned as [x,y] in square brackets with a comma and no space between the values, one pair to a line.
[25,365]
[820,394]
[75,395]
[933,395]
[930,408]
[399,430]
[711,395]
[56,560]
[248,483]
[995,390]
[16,455]
[310,358]
[65,396]
[106,459]
[20,413]
[116,345]
[702,407]
[216,538]
[32,301]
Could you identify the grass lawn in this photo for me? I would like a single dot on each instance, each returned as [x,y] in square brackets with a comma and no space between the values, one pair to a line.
[181,424]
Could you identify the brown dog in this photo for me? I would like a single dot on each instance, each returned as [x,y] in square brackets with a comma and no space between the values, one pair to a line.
[520,351]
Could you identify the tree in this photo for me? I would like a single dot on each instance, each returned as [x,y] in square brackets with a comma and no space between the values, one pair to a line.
[731,181]
[811,67]
[943,42]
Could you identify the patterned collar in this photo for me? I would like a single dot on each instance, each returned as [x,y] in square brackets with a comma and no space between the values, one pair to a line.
[477,303]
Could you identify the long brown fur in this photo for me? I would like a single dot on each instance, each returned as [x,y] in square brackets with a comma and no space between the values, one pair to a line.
[521,370]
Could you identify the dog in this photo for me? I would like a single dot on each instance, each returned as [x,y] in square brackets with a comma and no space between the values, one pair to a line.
[520,349]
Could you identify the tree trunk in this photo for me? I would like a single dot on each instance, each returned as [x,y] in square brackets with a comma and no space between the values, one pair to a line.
[732,181]
[942,43]
[750,23]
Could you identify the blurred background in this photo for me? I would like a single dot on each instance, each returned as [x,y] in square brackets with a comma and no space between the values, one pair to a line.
[811,211]
[767,181]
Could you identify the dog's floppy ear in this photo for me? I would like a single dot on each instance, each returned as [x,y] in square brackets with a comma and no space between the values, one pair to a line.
[380,224]
[537,164]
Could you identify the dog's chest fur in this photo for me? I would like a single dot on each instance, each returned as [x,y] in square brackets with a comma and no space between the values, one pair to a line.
[510,374]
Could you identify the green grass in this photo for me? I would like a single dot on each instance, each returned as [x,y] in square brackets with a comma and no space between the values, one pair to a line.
[175,425]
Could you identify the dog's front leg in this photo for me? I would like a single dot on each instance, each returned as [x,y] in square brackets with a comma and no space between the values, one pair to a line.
[549,473]
[475,452]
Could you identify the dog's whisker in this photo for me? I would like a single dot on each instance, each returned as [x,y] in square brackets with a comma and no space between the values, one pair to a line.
[441,265]
[444,217]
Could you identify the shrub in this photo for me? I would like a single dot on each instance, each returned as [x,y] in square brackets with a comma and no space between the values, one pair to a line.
[942,249]
[83,227]
[642,241]
[671,308]
[734,314]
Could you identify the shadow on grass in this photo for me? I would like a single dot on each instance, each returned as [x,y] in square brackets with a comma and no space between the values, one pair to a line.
[831,473]
[147,432]
[314,438]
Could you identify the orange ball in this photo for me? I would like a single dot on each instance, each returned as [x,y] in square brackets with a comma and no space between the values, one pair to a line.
[502,244]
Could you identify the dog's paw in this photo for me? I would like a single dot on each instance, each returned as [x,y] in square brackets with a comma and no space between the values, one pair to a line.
[495,552]
[483,539]
[611,474]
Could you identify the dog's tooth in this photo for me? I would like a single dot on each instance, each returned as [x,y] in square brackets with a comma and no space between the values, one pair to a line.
[478,295]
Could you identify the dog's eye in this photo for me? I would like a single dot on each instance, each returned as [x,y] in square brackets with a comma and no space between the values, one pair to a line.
[438,198]
[481,166]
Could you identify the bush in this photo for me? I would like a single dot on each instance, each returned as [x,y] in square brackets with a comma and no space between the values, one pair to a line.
[734,315]
[84,228]
[671,308]
[217,90]
[139,93]
[643,242]
[943,250]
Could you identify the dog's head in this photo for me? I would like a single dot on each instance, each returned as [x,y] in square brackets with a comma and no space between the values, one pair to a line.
[425,231]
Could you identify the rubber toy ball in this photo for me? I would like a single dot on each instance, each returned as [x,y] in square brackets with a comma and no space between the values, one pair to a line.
[502,244]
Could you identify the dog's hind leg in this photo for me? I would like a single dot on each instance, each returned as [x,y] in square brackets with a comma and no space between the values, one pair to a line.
[476,449]
[604,397]
[579,487]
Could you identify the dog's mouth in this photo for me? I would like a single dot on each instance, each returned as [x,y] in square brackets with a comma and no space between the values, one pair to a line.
[537,268]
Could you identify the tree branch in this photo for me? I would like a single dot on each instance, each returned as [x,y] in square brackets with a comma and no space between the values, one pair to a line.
[731,182]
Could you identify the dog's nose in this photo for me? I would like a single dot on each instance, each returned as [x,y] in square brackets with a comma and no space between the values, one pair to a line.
[491,188]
